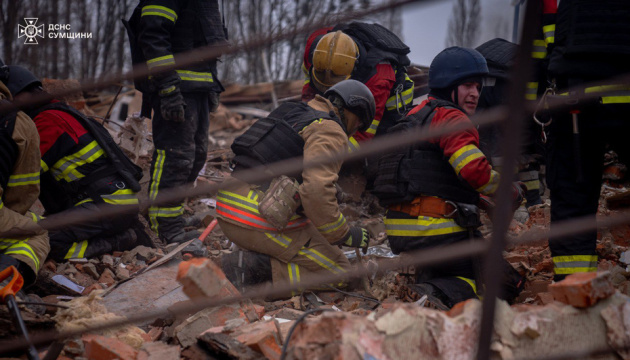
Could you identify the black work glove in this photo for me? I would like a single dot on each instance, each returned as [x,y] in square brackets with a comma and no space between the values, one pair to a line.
[172,105]
[23,269]
[357,237]
[213,101]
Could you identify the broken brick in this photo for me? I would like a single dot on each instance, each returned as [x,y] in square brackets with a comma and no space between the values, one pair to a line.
[187,332]
[91,288]
[260,336]
[50,265]
[544,298]
[158,351]
[260,310]
[203,278]
[155,333]
[103,348]
[583,289]
[107,277]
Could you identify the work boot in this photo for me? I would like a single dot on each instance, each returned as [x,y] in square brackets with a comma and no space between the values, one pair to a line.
[246,268]
[436,299]
[192,221]
[124,241]
[196,249]
[142,238]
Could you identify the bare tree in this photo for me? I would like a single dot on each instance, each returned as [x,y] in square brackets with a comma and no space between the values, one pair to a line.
[463,26]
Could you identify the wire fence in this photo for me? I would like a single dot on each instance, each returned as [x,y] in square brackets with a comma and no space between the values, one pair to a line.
[491,251]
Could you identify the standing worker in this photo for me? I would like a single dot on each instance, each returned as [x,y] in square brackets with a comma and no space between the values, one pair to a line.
[19,188]
[181,98]
[82,170]
[284,244]
[350,51]
[432,190]
[591,44]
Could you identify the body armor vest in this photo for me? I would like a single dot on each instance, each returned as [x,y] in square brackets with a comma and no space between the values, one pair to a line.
[276,137]
[420,169]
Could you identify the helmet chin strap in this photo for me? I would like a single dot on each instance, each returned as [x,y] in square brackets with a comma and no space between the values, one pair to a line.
[455,95]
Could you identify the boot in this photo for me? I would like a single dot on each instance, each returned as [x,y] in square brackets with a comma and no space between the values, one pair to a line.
[246,268]
[436,299]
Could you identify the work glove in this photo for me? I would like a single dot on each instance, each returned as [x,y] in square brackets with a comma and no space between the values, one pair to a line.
[172,105]
[357,237]
[213,101]
[487,204]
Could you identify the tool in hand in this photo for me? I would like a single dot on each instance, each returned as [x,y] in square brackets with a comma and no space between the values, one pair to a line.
[7,294]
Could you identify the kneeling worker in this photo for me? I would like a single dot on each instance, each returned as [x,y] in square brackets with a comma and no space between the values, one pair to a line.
[295,246]
[81,167]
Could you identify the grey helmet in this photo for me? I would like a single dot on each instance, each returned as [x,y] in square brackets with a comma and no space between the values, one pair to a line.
[357,98]
[20,79]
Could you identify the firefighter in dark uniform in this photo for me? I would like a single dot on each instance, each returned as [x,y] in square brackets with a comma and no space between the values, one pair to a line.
[432,189]
[500,55]
[82,170]
[591,44]
[181,99]
[350,51]
[304,244]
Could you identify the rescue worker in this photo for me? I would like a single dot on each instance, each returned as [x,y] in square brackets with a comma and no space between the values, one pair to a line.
[587,47]
[305,244]
[181,98]
[432,190]
[499,55]
[350,51]
[19,187]
[79,173]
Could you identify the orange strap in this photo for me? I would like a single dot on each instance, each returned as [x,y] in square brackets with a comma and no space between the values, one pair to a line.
[427,206]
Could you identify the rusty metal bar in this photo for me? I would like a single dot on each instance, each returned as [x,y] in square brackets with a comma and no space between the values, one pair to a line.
[521,72]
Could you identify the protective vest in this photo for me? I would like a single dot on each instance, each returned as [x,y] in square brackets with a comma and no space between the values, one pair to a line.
[420,169]
[85,187]
[197,24]
[8,147]
[378,44]
[276,137]
[592,39]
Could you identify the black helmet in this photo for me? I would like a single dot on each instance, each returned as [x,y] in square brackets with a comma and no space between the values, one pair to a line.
[357,98]
[455,64]
[20,79]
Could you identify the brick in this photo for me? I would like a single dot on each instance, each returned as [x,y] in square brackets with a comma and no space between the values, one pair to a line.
[260,310]
[91,288]
[516,258]
[155,333]
[107,277]
[259,335]
[51,265]
[103,348]
[158,351]
[583,289]
[203,278]
[544,298]
[187,332]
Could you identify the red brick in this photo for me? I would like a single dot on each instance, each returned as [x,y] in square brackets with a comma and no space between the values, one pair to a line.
[458,309]
[544,266]
[621,235]
[270,348]
[257,333]
[516,258]
[102,348]
[91,288]
[203,278]
[583,289]
[79,267]
[51,265]
[155,333]
[260,310]
[108,278]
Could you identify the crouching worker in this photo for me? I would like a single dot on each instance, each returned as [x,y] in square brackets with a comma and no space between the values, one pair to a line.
[432,189]
[19,187]
[285,246]
[82,170]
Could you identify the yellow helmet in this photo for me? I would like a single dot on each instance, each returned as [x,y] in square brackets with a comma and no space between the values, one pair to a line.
[333,59]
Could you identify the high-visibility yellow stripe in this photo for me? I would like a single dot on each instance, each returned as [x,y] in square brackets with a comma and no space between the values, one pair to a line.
[571,264]
[470,282]
[161,61]
[333,226]
[155,184]
[43,165]
[77,250]
[186,75]
[321,260]
[422,226]
[118,197]
[531,90]
[549,31]
[157,10]
[539,51]
[279,239]
[66,167]
[23,179]
[570,258]
[23,248]
[166,211]
[492,185]
[353,144]
[373,127]
[615,99]
[238,201]
[604,88]
[464,156]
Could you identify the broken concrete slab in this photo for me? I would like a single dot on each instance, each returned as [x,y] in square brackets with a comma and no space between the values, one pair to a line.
[188,331]
[152,290]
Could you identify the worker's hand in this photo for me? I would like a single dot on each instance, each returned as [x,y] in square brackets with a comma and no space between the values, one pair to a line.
[213,100]
[172,105]
[358,237]
[23,269]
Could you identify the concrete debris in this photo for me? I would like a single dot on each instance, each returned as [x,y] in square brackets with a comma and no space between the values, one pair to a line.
[104,348]
[158,351]
[223,345]
[187,332]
